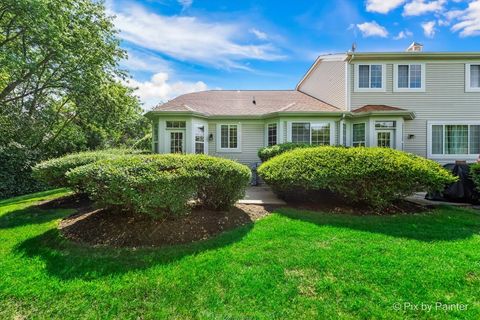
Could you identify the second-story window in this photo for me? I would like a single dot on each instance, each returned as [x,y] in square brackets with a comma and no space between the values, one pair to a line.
[409,77]
[370,76]
[473,77]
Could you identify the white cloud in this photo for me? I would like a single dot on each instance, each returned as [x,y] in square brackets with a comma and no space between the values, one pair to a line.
[429,28]
[403,35]
[185,3]
[419,7]
[469,20]
[159,89]
[259,34]
[383,6]
[189,38]
[372,29]
[144,61]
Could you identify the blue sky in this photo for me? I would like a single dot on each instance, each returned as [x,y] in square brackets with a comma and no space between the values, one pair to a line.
[179,46]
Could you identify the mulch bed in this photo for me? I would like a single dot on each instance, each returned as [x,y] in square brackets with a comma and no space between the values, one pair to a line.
[99,227]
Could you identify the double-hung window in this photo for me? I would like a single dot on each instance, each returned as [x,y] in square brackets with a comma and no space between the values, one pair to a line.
[358,135]
[455,139]
[272,134]
[409,77]
[199,139]
[472,78]
[155,137]
[370,77]
[311,133]
[229,137]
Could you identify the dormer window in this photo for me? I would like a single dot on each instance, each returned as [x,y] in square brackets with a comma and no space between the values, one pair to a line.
[370,77]
[409,77]
[472,78]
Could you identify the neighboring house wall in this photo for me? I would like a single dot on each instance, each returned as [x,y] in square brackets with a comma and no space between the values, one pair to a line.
[327,82]
[444,99]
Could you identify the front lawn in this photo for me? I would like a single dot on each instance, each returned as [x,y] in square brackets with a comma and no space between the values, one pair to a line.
[290,265]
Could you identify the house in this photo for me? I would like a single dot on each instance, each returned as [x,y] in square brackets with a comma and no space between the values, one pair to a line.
[426,103]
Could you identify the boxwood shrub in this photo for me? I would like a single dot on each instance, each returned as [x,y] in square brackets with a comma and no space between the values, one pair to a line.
[372,176]
[162,185]
[267,153]
[53,171]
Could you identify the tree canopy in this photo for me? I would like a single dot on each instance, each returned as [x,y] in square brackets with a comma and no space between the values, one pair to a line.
[60,83]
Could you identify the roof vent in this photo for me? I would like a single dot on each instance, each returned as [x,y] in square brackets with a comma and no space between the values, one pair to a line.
[415,47]
[253,100]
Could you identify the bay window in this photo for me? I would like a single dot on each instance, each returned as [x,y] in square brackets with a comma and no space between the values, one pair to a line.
[272,134]
[358,135]
[455,139]
[311,133]
[199,139]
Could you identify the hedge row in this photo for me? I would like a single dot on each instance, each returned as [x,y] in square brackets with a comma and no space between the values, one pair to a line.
[52,172]
[161,185]
[372,176]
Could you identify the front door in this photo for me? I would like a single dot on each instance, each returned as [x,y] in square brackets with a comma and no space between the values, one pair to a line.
[176,141]
[385,138]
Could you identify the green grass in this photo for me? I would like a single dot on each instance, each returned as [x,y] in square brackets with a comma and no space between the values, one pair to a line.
[290,265]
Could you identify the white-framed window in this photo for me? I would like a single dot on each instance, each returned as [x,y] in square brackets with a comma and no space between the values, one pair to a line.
[272,134]
[453,138]
[409,77]
[472,77]
[370,77]
[228,138]
[200,139]
[176,124]
[318,133]
[359,134]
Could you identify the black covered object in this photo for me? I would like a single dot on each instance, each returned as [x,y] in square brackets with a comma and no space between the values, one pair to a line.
[461,191]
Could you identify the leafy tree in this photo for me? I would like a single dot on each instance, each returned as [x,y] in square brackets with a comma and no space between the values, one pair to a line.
[60,85]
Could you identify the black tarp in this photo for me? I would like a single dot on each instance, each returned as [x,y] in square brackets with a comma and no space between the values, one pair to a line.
[461,191]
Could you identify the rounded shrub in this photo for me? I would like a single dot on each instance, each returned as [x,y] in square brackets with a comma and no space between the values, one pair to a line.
[53,171]
[372,176]
[266,153]
[161,185]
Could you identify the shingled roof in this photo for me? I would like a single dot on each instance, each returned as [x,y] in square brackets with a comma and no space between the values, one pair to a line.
[380,107]
[245,103]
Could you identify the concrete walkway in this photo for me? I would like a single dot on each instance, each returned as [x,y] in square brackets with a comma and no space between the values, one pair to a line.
[261,195]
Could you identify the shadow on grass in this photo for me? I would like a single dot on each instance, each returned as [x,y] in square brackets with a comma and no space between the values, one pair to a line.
[30,216]
[67,260]
[442,224]
[28,197]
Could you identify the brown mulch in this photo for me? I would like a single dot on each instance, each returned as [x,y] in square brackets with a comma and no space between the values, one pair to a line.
[340,207]
[122,229]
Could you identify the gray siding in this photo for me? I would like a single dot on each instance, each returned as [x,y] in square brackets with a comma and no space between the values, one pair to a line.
[327,82]
[444,99]
[252,139]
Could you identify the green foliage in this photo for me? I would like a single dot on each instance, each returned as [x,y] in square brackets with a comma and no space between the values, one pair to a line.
[267,153]
[15,172]
[52,172]
[475,174]
[373,176]
[60,84]
[160,185]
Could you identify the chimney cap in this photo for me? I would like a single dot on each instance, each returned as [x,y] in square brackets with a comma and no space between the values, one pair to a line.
[415,47]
